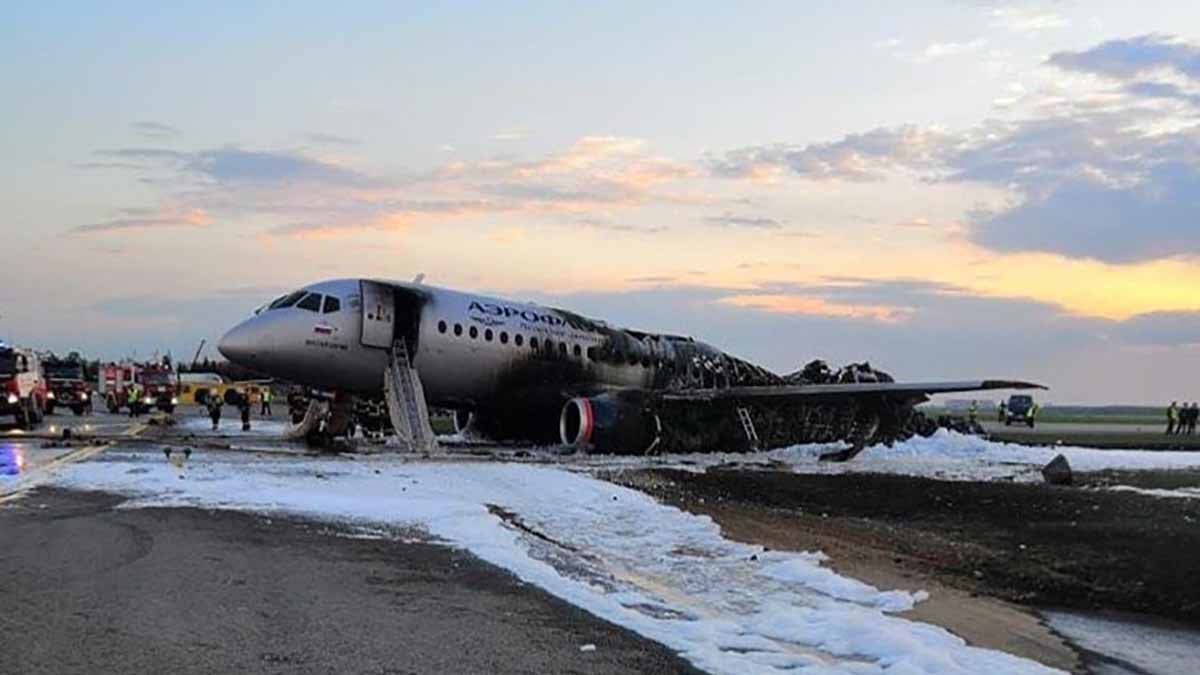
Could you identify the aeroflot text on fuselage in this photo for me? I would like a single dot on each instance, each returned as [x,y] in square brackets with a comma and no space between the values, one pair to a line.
[526,314]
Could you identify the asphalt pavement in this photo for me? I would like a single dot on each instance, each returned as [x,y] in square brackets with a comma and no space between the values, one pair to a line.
[90,588]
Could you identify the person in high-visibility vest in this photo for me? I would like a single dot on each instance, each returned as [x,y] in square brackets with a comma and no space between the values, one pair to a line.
[1002,412]
[266,402]
[973,412]
[1172,417]
[1032,413]
[134,393]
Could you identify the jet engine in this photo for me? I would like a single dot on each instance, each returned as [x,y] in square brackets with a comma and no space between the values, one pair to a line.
[610,424]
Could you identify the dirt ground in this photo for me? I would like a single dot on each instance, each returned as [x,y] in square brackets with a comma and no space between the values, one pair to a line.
[985,551]
[89,588]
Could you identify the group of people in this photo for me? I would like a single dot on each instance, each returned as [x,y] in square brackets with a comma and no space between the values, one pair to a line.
[243,403]
[1181,419]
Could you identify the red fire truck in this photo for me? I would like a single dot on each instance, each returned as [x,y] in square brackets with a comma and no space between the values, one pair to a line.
[157,387]
[23,390]
[160,387]
[68,387]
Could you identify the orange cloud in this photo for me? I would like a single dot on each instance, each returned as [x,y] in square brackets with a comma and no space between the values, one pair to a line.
[813,306]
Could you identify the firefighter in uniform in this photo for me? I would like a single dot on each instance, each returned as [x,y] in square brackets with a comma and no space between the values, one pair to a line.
[244,408]
[134,393]
[214,409]
[1172,417]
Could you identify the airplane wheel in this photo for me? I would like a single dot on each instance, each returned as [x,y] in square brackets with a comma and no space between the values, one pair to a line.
[49,408]
[78,410]
[168,409]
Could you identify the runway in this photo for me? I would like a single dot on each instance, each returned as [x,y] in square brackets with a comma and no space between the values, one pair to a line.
[261,548]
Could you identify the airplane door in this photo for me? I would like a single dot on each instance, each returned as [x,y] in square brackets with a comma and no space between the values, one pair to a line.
[378,315]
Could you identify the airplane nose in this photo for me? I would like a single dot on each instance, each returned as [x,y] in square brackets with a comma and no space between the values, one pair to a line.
[239,344]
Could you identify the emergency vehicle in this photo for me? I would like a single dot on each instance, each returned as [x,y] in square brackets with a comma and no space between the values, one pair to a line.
[23,390]
[155,383]
[68,388]
[159,387]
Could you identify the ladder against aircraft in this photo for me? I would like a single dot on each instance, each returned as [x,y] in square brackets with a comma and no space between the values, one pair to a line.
[748,426]
[406,403]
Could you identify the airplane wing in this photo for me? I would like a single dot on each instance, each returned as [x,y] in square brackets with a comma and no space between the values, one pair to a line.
[902,390]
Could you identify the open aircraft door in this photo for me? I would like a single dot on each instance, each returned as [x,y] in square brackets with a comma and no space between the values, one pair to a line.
[378,315]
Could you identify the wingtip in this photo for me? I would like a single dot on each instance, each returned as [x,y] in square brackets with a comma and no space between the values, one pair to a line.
[1014,384]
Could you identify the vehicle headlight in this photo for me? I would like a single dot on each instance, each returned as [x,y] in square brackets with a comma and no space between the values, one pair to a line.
[84,396]
[50,394]
[148,400]
[12,398]
[174,401]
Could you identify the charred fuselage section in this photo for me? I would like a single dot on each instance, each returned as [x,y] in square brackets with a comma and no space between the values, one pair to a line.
[678,420]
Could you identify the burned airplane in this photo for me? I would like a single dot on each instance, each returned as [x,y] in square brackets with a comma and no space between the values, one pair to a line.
[521,371]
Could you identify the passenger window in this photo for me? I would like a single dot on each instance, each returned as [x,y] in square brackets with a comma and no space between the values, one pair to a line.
[458,329]
[474,332]
[311,302]
[578,351]
[562,348]
[591,353]
[519,340]
[487,335]
[441,326]
[332,305]
[533,343]
[503,338]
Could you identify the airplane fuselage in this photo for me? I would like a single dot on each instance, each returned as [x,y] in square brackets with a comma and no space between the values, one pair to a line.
[469,350]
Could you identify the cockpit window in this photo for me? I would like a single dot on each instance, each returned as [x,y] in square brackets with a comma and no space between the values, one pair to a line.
[311,302]
[332,305]
[287,300]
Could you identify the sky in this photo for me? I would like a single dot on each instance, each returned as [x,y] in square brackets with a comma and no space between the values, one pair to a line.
[948,189]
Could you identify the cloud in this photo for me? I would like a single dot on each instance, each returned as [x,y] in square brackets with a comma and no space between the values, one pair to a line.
[156,130]
[1162,329]
[509,135]
[941,50]
[858,157]
[729,219]
[1111,174]
[810,306]
[329,139]
[137,219]
[233,165]
[1157,218]
[1027,20]
[1129,58]
[606,224]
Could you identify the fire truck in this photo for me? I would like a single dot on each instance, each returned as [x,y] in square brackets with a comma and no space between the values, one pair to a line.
[160,387]
[23,390]
[68,388]
[156,384]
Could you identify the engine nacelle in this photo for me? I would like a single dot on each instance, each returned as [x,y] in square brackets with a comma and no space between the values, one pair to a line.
[610,424]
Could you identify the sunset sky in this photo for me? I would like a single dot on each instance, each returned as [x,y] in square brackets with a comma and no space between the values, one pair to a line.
[947,189]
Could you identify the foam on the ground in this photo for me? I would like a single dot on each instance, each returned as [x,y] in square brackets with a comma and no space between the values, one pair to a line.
[617,553]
